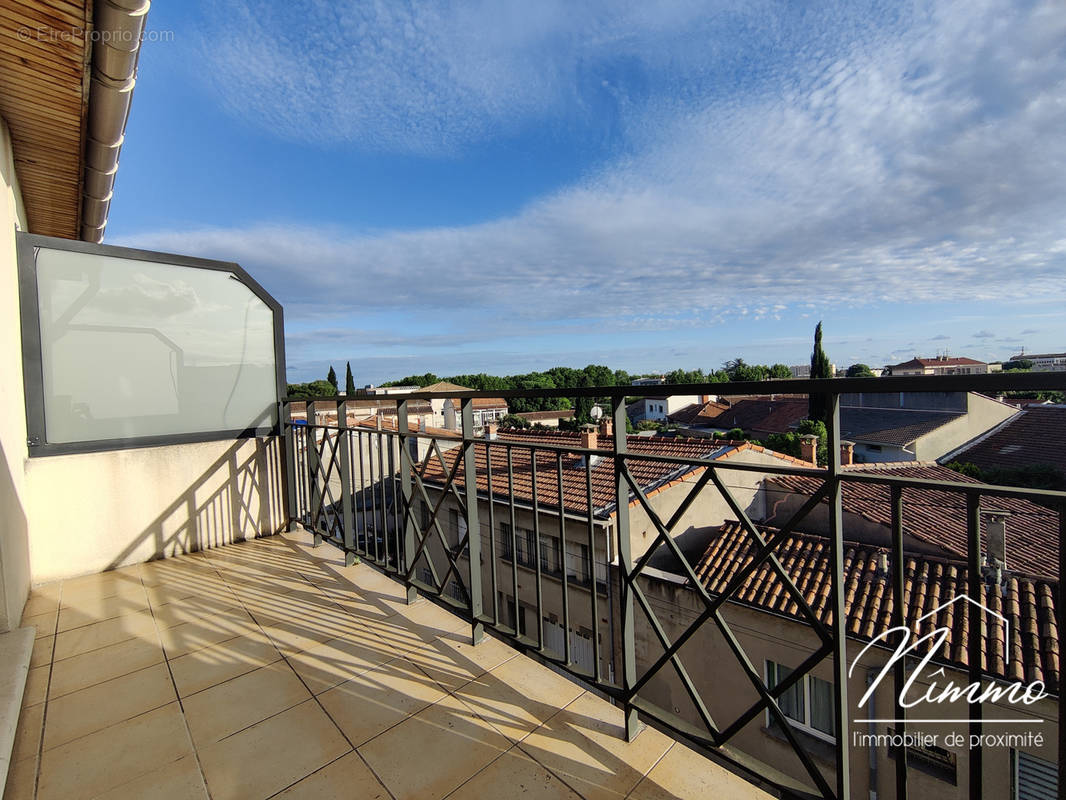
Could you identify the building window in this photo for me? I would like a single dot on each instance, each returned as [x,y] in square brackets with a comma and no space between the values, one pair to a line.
[808,703]
[1034,778]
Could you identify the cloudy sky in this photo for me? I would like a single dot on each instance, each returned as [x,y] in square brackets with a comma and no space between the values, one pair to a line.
[507,186]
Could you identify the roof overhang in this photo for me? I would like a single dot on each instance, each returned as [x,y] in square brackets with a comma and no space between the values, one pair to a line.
[67,72]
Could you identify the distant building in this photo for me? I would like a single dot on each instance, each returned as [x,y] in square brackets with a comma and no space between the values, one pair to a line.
[549,419]
[804,370]
[1043,362]
[941,365]
[760,416]
[657,409]
[654,381]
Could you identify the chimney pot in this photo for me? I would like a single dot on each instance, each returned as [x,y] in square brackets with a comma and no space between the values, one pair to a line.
[589,440]
[809,448]
[847,453]
[606,427]
[491,431]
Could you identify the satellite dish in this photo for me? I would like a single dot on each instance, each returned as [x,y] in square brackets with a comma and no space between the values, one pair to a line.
[596,412]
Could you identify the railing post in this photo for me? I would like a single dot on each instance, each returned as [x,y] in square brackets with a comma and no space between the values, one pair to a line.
[347,510]
[313,470]
[473,526]
[841,709]
[975,638]
[289,462]
[625,566]
[899,566]
[409,546]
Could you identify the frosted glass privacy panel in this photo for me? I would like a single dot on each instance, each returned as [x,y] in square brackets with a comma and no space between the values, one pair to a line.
[135,348]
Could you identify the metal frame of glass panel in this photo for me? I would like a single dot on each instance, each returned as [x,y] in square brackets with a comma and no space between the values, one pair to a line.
[32,357]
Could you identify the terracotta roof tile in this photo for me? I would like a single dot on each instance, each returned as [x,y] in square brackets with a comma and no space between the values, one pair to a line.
[1035,436]
[938,516]
[929,582]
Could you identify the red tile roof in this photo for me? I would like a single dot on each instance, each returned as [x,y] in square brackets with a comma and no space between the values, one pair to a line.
[698,413]
[763,416]
[938,517]
[1030,654]
[537,416]
[1035,436]
[915,363]
[650,476]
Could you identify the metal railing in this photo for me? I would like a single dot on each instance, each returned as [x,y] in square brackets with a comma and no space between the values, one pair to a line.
[405,502]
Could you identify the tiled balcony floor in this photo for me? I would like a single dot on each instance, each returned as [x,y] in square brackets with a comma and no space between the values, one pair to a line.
[268,669]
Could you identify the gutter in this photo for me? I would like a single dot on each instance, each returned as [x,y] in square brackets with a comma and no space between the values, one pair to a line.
[118,26]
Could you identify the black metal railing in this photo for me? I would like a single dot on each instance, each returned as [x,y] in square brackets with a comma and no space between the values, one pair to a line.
[405,500]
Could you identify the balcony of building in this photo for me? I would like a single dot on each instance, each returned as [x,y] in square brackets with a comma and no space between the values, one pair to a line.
[270,669]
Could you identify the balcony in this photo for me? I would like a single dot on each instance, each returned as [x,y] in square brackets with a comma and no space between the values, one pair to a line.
[270,668]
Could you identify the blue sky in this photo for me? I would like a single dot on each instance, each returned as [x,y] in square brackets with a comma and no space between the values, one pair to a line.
[507,186]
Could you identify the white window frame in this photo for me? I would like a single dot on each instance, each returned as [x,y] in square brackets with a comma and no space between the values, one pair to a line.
[805,682]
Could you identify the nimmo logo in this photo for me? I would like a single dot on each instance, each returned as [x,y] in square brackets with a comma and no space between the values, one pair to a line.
[974,694]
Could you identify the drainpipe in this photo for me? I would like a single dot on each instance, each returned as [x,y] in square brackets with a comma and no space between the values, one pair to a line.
[117,29]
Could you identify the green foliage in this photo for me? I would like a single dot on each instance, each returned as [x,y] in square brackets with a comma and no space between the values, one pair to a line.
[304,391]
[738,370]
[860,371]
[820,368]
[1031,476]
[1017,365]
[415,380]
[790,445]
[780,371]
[649,425]
[733,434]
[515,421]
[349,381]
[332,378]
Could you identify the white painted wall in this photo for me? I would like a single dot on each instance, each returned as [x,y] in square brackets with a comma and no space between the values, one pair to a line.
[14,562]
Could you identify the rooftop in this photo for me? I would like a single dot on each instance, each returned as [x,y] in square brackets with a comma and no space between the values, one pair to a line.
[179,678]
[1035,436]
[1031,654]
[938,516]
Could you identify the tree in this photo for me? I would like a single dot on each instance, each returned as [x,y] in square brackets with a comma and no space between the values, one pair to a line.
[780,371]
[817,428]
[514,421]
[738,370]
[1018,365]
[332,378]
[349,381]
[860,371]
[303,391]
[820,368]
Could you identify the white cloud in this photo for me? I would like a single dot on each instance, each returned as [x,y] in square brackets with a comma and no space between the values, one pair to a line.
[920,161]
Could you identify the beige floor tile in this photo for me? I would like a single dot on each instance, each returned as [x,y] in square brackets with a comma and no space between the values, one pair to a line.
[449,742]
[346,778]
[97,666]
[105,704]
[109,758]
[585,746]
[42,651]
[179,780]
[36,685]
[196,609]
[28,733]
[95,588]
[328,664]
[90,610]
[231,706]
[298,741]
[21,780]
[514,776]
[518,696]
[192,636]
[453,661]
[431,621]
[296,634]
[684,773]
[106,632]
[205,668]
[213,591]
[373,702]
[40,603]
[44,622]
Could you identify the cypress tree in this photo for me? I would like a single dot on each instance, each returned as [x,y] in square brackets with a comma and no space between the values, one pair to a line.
[349,382]
[332,377]
[820,368]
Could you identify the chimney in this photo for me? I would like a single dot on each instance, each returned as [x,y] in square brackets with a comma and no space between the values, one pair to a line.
[996,539]
[589,440]
[606,428]
[491,431]
[809,448]
[847,453]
